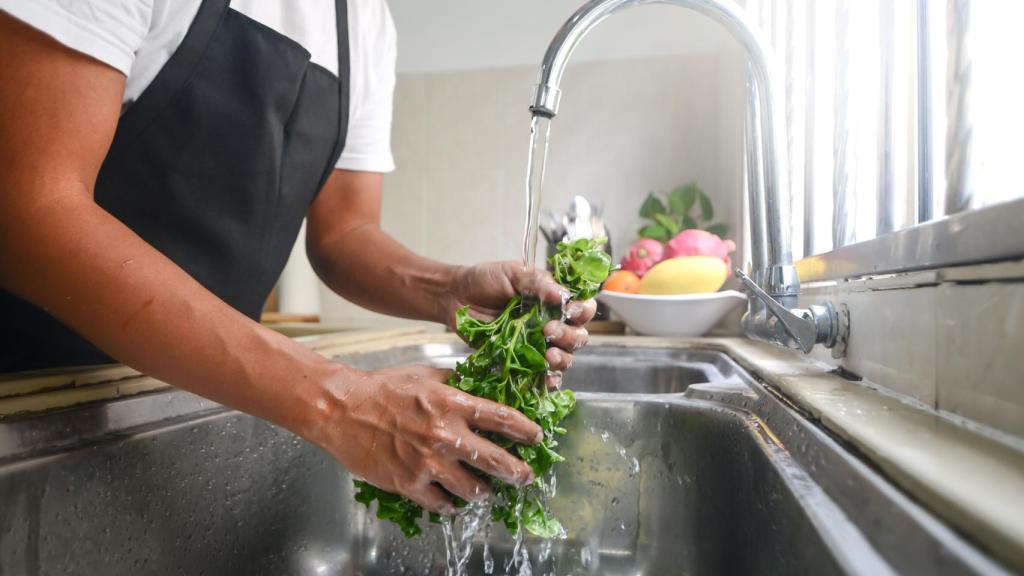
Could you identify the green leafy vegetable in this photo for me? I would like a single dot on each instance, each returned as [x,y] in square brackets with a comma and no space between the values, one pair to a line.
[508,366]
[666,219]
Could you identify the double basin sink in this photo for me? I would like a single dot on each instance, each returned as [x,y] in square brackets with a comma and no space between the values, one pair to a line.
[677,462]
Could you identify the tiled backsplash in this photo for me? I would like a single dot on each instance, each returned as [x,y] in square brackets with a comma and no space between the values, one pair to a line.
[949,339]
[625,128]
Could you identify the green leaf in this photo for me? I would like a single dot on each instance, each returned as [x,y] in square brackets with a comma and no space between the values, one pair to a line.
[654,232]
[581,266]
[689,222]
[682,199]
[720,229]
[671,226]
[706,211]
[652,205]
[508,366]
[537,521]
[399,510]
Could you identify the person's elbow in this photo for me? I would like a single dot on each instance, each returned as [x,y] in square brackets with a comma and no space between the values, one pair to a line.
[330,248]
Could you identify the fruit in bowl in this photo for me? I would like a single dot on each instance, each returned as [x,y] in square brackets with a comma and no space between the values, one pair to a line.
[677,297]
[623,281]
[693,261]
[670,280]
[695,242]
[685,275]
[643,254]
[675,315]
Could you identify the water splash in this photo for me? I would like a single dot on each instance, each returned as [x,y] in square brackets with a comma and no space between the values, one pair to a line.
[459,532]
[520,559]
[488,557]
[631,462]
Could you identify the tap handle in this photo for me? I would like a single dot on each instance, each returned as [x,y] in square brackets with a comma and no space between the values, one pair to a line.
[801,328]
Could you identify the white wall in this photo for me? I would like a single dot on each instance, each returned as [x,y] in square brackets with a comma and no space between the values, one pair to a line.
[652,99]
[447,35]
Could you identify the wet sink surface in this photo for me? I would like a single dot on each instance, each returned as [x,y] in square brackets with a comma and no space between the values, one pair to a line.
[655,483]
[611,369]
[652,488]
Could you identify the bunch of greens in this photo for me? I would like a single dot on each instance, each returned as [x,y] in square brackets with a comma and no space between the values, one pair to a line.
[683,208]
[508,366]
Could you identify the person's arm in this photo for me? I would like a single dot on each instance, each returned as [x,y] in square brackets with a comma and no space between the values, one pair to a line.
[62,252]
[362,263]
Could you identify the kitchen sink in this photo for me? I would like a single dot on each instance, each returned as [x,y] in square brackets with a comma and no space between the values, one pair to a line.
[677,462]
[612,369]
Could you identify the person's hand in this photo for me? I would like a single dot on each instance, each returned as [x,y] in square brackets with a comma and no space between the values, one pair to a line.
[487,288]
[405,431]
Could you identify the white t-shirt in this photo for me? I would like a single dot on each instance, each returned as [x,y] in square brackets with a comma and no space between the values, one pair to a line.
[137,37]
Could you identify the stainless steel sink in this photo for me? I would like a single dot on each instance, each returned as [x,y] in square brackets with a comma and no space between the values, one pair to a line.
[678,462]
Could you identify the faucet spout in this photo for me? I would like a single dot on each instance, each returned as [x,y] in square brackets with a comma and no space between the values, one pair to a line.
[772,258]
[767,203]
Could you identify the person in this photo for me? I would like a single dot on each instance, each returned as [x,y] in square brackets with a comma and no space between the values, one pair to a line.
[158,158]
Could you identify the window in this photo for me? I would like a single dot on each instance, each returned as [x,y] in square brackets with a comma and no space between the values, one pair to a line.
[897,112]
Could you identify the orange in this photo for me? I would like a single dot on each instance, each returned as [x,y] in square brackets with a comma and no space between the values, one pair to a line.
[623,281]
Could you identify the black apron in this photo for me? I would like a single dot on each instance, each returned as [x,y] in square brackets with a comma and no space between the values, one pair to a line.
[215,166]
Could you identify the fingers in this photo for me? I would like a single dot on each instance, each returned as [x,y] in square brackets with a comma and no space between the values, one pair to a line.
[558,360]
[564,340]
[483,314]
[433,499]
[463,483]
[539,283]
[492,459]
[490,416]
[553,380]
[579,313]
[568,338]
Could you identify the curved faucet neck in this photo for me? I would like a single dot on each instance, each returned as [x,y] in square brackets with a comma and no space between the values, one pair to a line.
[772,257]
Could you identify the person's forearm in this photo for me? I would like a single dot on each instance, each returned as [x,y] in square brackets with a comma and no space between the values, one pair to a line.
[65,254]
[370,268]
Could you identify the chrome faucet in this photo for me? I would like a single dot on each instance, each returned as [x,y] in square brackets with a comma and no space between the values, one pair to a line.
[771,314]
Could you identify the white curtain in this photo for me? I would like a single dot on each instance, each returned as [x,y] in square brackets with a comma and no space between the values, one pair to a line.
[852,71]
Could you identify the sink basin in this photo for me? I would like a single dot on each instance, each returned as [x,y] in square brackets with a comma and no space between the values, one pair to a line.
[611,369]
[678,462]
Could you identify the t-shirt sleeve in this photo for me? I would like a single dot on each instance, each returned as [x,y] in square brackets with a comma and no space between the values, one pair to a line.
[373,51]
[108,30]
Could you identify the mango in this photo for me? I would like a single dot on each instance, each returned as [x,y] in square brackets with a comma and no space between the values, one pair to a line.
[685,275]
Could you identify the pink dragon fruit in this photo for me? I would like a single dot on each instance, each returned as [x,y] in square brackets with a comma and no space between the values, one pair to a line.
[643,254]
[694,242]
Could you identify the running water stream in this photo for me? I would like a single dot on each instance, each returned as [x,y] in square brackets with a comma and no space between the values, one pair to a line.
[540,133]
[461,529]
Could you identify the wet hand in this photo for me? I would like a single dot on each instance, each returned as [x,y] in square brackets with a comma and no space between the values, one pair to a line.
[487,288]
[405,431]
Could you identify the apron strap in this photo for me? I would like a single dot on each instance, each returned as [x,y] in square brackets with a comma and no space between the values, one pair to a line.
[344,67]
[178,68]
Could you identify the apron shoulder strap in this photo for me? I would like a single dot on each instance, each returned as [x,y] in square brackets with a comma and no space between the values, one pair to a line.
[175,72]
[344,67]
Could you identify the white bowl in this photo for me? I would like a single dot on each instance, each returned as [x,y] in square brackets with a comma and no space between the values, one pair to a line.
[687,315]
